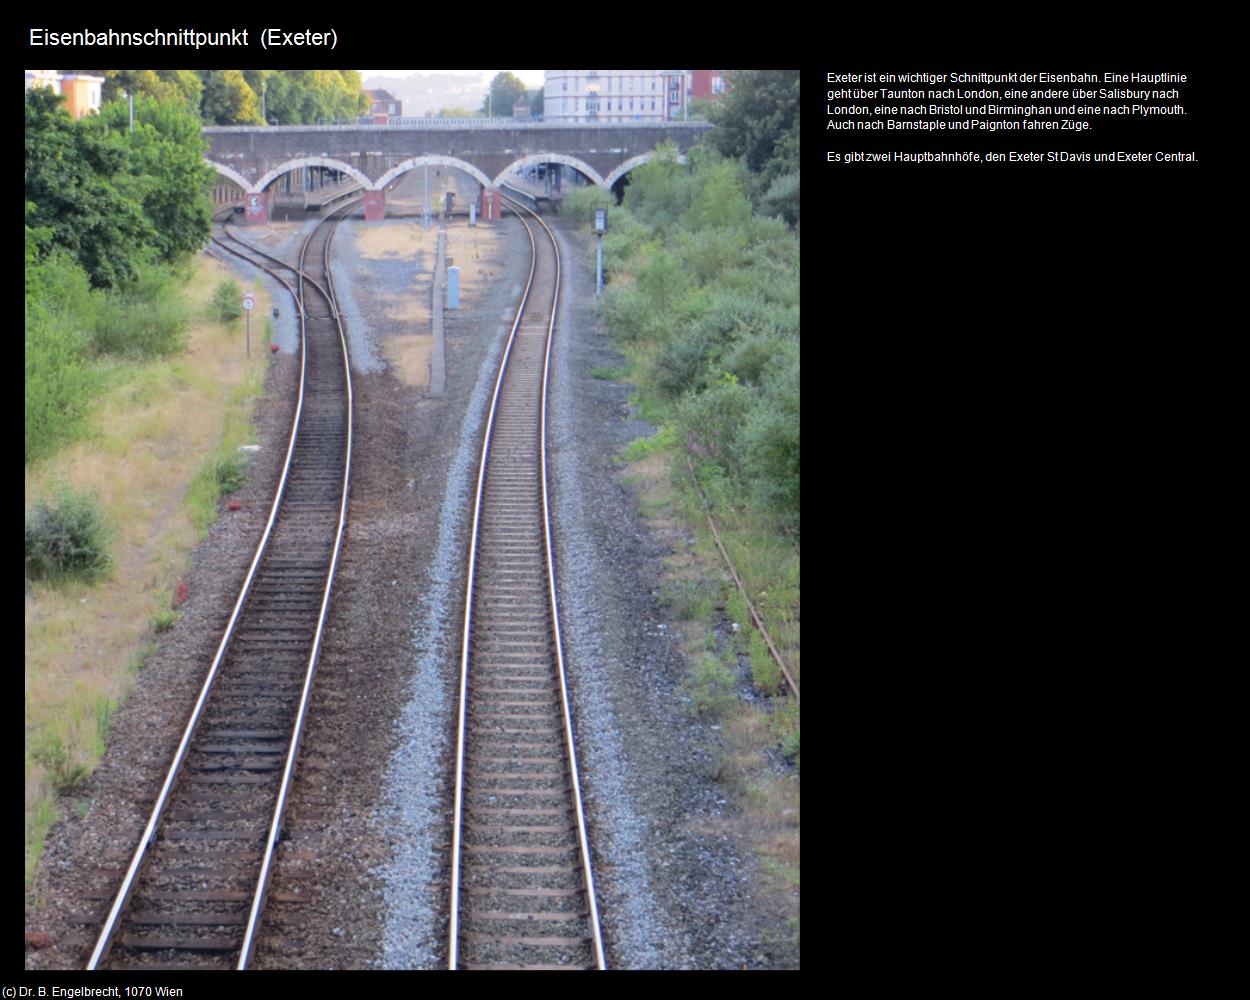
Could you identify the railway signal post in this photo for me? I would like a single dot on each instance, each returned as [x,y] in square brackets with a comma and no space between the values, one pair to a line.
[248,304]
[601,227]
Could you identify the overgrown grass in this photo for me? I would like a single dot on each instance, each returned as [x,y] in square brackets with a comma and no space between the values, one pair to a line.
[691,600]
[157,421]
[73,335]
[662,440]
[710,685]
[224,472]
[163,621]
[704,306]
[60,383]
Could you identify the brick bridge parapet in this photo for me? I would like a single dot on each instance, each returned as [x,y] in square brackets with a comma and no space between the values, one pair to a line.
[254,156]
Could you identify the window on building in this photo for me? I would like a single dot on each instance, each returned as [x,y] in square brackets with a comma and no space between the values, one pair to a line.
[718,85]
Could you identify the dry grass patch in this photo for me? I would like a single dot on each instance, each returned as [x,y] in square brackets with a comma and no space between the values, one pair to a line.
[411,309]
[392,238]
[475,250]
[409,356]
[82,641]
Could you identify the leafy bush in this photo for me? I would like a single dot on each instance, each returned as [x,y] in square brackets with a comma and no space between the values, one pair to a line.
[718,198]
[163,621]
[659,191]
[709,253]
[782,198]
[231,473]
[712,317]
[710,685]
[754,355]
[684,362]
[59,382]
[227,302]
[627,313]
[579,204]
[60,307]
[147,318]
[66,537]
[64,773]
[712,420]
[769,440]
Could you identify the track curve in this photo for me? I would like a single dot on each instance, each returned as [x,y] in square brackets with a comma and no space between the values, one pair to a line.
[522,893]
[194,892]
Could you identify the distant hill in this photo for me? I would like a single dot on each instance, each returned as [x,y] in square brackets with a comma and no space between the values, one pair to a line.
[433,91]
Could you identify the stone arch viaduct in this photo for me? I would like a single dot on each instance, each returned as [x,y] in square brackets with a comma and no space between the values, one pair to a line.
[253,156]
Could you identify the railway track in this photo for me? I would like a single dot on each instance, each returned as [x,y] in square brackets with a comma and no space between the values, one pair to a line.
[194,892]
[522,892]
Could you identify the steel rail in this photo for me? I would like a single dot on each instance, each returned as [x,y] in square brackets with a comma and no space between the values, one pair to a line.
[555,618]
[755,615]
[109,928]
[458,805]
[275,827]
[588,876]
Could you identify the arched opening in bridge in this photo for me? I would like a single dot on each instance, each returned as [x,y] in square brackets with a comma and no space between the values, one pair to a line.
[618,180]
[429,187]
[544,178]
[230,186]
[309,184]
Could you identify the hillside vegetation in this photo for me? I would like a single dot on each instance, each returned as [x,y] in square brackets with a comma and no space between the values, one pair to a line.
[702,297]
[119,483]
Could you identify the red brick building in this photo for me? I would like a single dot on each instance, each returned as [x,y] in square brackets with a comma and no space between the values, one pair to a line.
[382,102]
[707,83]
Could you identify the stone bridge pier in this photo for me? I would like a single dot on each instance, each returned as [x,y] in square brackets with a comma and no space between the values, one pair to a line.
[255,156]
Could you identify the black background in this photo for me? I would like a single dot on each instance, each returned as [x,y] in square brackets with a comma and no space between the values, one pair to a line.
[1001,366]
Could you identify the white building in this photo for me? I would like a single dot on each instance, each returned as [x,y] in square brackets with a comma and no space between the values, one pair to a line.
[608,96]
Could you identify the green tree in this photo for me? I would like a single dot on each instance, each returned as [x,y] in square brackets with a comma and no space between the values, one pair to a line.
[536,103]
[307,96]
[167,172]
[759,121]
[179,85]
[505,90]
[72,174]
[228,100]
[719,199]
[659,190]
